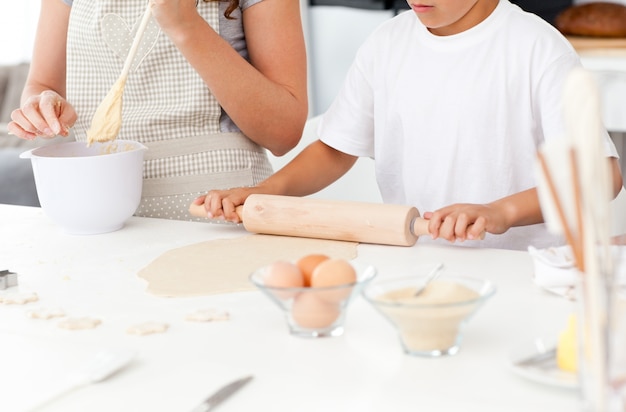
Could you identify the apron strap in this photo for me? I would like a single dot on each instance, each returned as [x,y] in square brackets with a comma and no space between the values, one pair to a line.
[199,144]
[198,183]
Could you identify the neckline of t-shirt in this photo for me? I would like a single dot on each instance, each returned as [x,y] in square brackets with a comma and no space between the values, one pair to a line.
[476,34]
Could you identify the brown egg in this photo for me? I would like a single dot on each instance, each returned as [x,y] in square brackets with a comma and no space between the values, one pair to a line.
[283,274]
[308,263]
[309,311]
[334,272]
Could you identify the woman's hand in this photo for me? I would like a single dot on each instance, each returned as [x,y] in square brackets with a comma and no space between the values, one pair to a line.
[44,115]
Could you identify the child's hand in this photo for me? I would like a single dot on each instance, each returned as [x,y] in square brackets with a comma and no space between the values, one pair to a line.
[460,222]
[221,204]
[45,115]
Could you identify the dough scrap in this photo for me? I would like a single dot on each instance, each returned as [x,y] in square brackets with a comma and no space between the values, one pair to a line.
[147,328]
[45,313]
[224,265]
[208,315]
[79,323]
[19,298]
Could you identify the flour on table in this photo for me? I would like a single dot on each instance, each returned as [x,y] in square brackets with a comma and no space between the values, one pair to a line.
[45,313]
[147,328]
[224,265]
[79,323]
[19,298]
[208,315]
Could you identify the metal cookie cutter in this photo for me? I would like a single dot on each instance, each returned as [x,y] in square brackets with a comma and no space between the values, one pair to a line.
[7,279]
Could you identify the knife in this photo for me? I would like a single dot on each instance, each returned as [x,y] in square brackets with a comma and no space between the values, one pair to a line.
[222,394]
[539,359]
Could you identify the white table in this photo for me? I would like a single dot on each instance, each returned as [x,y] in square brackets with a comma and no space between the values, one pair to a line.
[363,370]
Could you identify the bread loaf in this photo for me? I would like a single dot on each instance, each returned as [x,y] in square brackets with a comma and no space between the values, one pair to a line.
[596,19]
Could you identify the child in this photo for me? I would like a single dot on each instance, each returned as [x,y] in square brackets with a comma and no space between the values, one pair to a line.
[452,105]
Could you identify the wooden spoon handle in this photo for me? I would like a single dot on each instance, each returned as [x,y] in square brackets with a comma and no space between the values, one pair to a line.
[136,41]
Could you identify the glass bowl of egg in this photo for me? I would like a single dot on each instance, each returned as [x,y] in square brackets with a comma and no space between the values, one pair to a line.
[314,292]
[431,323]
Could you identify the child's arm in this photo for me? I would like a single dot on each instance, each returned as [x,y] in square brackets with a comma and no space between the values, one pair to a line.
[453,222]
[316,167]
[520,209]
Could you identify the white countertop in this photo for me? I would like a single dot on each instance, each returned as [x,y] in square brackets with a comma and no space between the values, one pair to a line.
[363,370]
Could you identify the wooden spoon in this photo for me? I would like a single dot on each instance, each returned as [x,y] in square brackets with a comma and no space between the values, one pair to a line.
[107,120]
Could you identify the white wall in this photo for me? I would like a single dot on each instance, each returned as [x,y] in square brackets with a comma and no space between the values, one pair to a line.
[18,21]
[334,35]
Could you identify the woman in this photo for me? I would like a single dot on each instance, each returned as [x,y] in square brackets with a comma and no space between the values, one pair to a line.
[214,84]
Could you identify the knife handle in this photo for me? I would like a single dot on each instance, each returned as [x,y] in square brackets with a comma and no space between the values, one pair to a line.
[222,394]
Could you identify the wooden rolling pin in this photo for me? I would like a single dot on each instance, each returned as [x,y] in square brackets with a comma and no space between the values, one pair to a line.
[377,223]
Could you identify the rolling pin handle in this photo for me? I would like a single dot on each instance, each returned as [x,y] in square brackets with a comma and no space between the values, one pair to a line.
[419,226]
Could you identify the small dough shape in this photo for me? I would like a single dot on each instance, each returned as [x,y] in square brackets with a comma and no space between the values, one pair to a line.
[79,323]
[208,315]
[19,298]
[147,328]
[45,313]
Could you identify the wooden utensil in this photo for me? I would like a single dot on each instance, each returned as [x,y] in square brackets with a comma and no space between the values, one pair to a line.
[383,224]
[107,120]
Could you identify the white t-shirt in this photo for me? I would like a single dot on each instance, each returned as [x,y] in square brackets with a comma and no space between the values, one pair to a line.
[455,119]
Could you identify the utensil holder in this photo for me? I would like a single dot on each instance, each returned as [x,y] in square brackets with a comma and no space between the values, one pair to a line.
[600,368]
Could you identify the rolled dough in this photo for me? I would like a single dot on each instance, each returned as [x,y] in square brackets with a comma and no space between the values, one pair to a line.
[224,265]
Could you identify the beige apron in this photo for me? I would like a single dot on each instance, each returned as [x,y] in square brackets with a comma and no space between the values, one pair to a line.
[166,106]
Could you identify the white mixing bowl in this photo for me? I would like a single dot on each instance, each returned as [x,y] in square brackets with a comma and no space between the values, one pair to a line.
[88,190]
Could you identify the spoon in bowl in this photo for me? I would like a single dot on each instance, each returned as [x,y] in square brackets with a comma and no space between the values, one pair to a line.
[432,275]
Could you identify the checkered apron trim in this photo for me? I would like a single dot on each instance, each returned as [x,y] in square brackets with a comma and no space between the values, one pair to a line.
[201,181]
[166,106]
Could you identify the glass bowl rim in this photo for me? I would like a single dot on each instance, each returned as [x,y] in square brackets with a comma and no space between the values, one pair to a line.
[490,291]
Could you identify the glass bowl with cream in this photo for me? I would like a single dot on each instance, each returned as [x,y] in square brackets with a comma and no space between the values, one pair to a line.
[431,323]
[314,305]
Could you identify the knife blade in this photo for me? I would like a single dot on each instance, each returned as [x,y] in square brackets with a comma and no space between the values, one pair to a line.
[539,359]
[222,394]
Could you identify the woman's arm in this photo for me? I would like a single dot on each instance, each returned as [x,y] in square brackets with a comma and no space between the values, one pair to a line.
[266,98]
[44,111]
